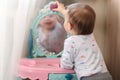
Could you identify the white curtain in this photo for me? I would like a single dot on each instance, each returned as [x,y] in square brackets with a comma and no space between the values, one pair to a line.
[16,17]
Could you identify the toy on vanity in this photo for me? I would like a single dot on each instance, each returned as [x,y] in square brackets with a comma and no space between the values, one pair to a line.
[46,41]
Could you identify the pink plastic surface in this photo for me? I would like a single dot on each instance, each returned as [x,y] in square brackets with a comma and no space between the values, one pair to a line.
[40,68]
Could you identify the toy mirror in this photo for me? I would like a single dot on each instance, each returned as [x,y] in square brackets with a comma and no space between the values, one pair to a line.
[47,34]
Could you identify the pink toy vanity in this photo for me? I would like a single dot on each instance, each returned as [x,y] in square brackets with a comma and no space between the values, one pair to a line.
[43,69]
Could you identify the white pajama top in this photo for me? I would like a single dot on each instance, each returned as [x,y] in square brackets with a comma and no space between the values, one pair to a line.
[82,54]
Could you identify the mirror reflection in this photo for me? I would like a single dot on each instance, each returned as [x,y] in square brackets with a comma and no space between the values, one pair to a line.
[51,34]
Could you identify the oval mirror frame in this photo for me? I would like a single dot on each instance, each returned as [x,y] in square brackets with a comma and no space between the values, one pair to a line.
[35,52]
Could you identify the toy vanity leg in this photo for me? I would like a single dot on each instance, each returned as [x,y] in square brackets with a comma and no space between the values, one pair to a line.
[19,78]
[22,79]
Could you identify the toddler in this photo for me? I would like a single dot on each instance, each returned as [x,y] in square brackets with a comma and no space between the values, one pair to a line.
[81,51]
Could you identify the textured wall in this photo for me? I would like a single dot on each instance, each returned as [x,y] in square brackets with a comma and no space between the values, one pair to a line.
[113,38]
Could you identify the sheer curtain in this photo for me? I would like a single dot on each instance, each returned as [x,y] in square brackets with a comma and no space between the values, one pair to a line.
[15,19]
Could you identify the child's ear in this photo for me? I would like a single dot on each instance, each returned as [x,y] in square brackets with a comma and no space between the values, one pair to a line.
[70,26]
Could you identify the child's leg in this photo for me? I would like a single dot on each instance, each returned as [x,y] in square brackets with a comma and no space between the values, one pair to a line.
[100,76]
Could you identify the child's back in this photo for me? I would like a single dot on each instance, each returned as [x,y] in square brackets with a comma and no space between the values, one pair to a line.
[85,54]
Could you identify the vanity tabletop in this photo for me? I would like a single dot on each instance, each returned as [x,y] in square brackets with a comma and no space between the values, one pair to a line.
[40,68]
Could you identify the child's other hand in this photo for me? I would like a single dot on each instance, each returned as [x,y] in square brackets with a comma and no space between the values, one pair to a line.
[60,8]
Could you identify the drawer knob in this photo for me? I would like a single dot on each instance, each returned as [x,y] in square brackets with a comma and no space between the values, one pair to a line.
[68,76]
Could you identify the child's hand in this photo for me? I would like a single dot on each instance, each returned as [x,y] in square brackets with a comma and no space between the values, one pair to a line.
[60,8]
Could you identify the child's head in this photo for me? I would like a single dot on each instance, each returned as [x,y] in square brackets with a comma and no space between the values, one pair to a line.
[79,19]
[48,22]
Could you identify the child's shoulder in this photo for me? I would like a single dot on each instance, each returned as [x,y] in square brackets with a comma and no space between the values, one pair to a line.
[73,39]
[79,38]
